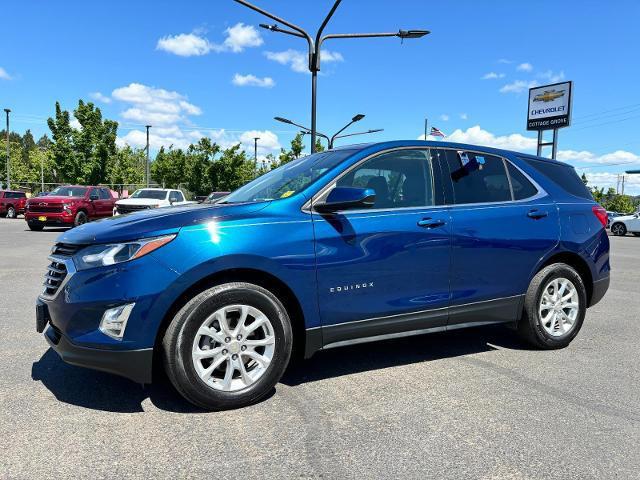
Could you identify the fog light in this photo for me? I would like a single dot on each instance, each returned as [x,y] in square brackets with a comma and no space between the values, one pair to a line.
[114,321]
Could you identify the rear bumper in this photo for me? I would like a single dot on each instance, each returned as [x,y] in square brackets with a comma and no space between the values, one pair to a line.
[135,365]
[600,287]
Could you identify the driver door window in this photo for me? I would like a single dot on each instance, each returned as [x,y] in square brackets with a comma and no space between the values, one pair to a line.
[400,179]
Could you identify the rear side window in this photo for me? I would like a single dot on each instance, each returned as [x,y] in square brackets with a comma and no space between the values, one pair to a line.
[105,194]
[521,186]
[478,178]
[563,176]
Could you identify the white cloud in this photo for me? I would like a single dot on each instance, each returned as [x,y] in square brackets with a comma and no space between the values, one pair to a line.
[100,97]
[444,117]
[241,36]
[299,61]
[238,37]
[252,81]
[464,116]
[518,86]
[619,157]
[75,123]
[184,44]
[551,76]
[610,179]
[4,75]
[268,142]
[492,76]
[505,61]
[477,136]
[524,67]
[152,105]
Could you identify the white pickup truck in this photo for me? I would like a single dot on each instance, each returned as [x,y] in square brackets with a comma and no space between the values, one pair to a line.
[145,198]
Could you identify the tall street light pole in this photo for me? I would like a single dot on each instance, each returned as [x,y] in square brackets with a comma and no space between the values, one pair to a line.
[314,46]
[255,149]
[330,140]
[7,111]
[355,119]
[147,168]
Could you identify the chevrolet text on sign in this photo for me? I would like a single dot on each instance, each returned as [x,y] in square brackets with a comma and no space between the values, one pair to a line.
[549,106]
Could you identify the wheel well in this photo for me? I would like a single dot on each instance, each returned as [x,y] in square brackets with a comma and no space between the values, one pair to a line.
[578,263]
[256,277]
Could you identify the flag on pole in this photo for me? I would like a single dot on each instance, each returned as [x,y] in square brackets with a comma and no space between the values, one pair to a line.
[437,133]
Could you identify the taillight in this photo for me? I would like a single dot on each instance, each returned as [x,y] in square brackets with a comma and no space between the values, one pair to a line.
[601,214]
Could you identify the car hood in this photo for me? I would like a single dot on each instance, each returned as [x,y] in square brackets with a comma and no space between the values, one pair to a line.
[152,223]
[55,199]
[139,201]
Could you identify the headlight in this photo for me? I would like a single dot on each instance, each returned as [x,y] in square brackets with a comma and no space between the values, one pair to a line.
[67,207]
[110,254]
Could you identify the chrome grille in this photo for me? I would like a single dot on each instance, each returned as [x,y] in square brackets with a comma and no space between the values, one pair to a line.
[65,249]
[56,273]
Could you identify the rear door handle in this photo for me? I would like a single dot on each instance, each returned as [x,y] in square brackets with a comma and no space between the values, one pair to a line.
[431,223]
[537,213]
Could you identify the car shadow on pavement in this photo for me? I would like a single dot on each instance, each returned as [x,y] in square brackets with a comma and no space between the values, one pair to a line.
[102,391]
[402,351]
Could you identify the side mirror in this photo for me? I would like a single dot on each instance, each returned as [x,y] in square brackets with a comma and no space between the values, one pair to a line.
[94,196]
[347,198]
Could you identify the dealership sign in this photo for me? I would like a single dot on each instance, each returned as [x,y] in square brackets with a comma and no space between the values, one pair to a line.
[549,106]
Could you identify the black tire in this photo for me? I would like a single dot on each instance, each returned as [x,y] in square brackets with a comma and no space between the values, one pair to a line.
[81,219]
[619,229]
[530,326]
[35,227]
[179,337]
[11,212]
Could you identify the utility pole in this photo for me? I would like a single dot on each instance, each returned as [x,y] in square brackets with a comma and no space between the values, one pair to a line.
[42,154]
[255,149]
[7,111]
[426,124]
[315,44]
[147,169]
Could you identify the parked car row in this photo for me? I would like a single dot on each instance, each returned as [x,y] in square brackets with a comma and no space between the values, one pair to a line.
[73,205]
[623,224]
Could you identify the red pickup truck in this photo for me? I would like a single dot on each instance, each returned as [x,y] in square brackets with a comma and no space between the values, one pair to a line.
[12,203]
[69,206]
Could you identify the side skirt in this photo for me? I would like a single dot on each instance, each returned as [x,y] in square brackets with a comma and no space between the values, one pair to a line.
[500,310]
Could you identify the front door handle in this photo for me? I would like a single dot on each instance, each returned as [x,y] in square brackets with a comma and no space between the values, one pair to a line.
[535,213]
[431,222]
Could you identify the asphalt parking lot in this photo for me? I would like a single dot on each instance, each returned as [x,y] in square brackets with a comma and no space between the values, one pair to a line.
[467,404]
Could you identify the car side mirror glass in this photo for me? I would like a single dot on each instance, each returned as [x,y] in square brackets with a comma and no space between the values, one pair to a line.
[347,198]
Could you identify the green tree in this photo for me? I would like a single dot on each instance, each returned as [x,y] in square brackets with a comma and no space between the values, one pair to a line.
[65,159]
[127,167]
[94,143]
[232,170]
[199,160]
[584,179]
[168,167]
[619,203]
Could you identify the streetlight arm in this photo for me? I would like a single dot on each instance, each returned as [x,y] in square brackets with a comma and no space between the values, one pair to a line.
[279,20]
[276,28]
[324,24]
[360,133]
[399,33]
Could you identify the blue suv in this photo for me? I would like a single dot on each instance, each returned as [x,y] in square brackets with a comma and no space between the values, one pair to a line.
[355,244]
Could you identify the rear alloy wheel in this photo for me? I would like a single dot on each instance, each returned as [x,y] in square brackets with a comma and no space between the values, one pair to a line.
[555,306]
[11,212]
[81,219]
[619,229]
[228,346]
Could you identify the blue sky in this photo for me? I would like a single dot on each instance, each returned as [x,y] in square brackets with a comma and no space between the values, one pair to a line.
[201,68]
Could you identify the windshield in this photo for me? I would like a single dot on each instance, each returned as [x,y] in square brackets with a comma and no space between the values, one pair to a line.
[153,194]
[288,179]
[68,192]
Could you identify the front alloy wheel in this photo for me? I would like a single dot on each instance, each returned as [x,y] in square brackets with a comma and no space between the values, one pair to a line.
[228,346]
[233,347]
[619,229]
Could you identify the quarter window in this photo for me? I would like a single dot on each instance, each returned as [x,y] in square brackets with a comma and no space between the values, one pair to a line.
[105,194]
[478,178]
[401,178]
[521,186]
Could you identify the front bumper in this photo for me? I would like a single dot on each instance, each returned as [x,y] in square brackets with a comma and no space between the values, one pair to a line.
[51,219]
[135,365]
